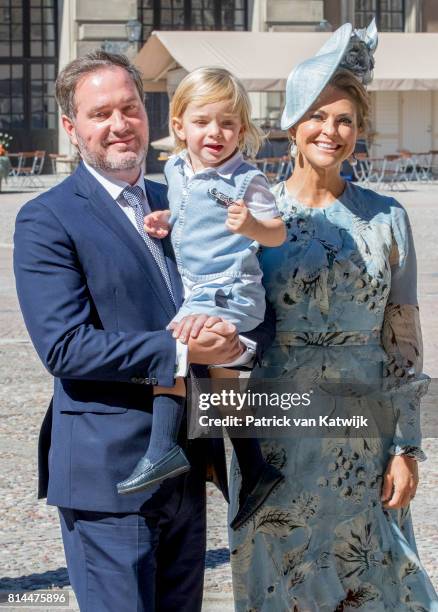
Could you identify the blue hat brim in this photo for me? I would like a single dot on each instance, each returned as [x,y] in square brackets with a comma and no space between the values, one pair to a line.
[307,80]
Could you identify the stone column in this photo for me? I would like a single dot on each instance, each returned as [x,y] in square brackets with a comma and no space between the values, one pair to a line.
[347,11]
[413,16]
[67,52]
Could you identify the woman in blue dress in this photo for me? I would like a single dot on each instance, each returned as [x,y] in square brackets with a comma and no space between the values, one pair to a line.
[337,534]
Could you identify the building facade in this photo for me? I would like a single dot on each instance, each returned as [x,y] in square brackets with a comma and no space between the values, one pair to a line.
[38,37]
[28,65]
[399,119]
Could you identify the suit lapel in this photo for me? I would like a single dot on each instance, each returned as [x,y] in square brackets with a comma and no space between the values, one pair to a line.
[109,213]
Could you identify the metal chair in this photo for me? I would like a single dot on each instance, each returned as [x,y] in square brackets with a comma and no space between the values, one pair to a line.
[384,172]
[30,175]
[434,164]
[62,164]
[362,169]
[393,173]
[275,168]
[270,168]
[285,170]
[423,167]
[16,160]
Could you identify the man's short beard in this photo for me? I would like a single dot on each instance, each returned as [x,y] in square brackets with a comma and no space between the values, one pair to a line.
[135,160]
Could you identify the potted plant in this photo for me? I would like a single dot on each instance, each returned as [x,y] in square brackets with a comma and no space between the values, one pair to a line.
[5,165]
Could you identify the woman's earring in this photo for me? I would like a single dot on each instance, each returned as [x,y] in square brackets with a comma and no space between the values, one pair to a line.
[293,149]
[352,160]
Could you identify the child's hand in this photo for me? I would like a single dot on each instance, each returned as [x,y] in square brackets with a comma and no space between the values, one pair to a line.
[240,220]
[156,223]
[191,325]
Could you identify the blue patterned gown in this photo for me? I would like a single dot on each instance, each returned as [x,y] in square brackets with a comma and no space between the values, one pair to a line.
[344,289]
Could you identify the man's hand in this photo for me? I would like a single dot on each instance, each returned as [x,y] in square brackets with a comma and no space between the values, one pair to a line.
[218,343]
[240,220]
[156,223]
[399,482]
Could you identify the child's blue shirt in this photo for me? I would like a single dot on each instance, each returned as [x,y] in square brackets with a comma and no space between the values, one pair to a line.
[220,269]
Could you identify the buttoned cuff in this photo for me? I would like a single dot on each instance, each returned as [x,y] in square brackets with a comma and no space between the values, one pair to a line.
[181,359]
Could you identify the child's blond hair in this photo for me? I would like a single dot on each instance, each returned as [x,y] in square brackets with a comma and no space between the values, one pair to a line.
[209,85]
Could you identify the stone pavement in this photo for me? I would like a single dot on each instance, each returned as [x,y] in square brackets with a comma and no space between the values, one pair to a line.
[31,555]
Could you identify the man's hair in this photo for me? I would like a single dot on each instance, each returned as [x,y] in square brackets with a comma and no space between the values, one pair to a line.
[211,84]
[94,61]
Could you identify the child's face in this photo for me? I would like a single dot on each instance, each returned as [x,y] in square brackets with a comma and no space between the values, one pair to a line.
[210,131]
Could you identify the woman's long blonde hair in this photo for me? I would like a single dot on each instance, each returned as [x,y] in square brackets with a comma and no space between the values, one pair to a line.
[209,85]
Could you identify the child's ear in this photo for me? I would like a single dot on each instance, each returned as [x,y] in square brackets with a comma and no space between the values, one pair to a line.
[177,126]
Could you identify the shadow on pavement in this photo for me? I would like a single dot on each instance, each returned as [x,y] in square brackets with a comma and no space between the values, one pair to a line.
[32,582]
[59,577]
[216,557]
[17,191]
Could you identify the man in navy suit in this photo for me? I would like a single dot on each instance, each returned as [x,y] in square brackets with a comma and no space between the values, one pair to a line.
[96,303]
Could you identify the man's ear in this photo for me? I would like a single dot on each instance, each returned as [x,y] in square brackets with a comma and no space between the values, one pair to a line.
[69,127]
[177,127]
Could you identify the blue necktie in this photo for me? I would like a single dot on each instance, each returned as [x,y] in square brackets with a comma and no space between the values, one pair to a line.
[134,196]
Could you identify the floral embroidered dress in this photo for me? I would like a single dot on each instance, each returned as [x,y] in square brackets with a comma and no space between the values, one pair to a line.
[344,289]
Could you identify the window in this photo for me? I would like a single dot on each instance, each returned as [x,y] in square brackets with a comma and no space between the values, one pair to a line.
[11,96]
[390,14]
[183,15]
[11,29]
[192,15]
[27,64]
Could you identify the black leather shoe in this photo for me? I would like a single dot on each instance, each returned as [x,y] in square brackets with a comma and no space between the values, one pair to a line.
[269,479]
[146,473]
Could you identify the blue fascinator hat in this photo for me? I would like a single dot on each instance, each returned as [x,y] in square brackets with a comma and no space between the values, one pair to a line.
[346,48]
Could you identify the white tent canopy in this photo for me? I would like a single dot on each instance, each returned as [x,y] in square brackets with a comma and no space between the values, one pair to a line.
[263,60]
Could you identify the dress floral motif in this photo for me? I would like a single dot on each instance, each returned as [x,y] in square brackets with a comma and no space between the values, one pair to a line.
[344,289]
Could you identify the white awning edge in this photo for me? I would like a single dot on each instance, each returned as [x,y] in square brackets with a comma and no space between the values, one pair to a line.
[263,60]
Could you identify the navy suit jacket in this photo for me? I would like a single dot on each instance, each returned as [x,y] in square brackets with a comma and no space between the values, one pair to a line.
[96,308]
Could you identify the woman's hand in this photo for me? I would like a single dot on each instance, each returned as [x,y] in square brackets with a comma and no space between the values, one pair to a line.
[156,223]
[399,482]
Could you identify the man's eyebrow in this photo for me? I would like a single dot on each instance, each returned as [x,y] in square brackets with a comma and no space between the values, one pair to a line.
[103,106]
[130,100]
[96,108]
